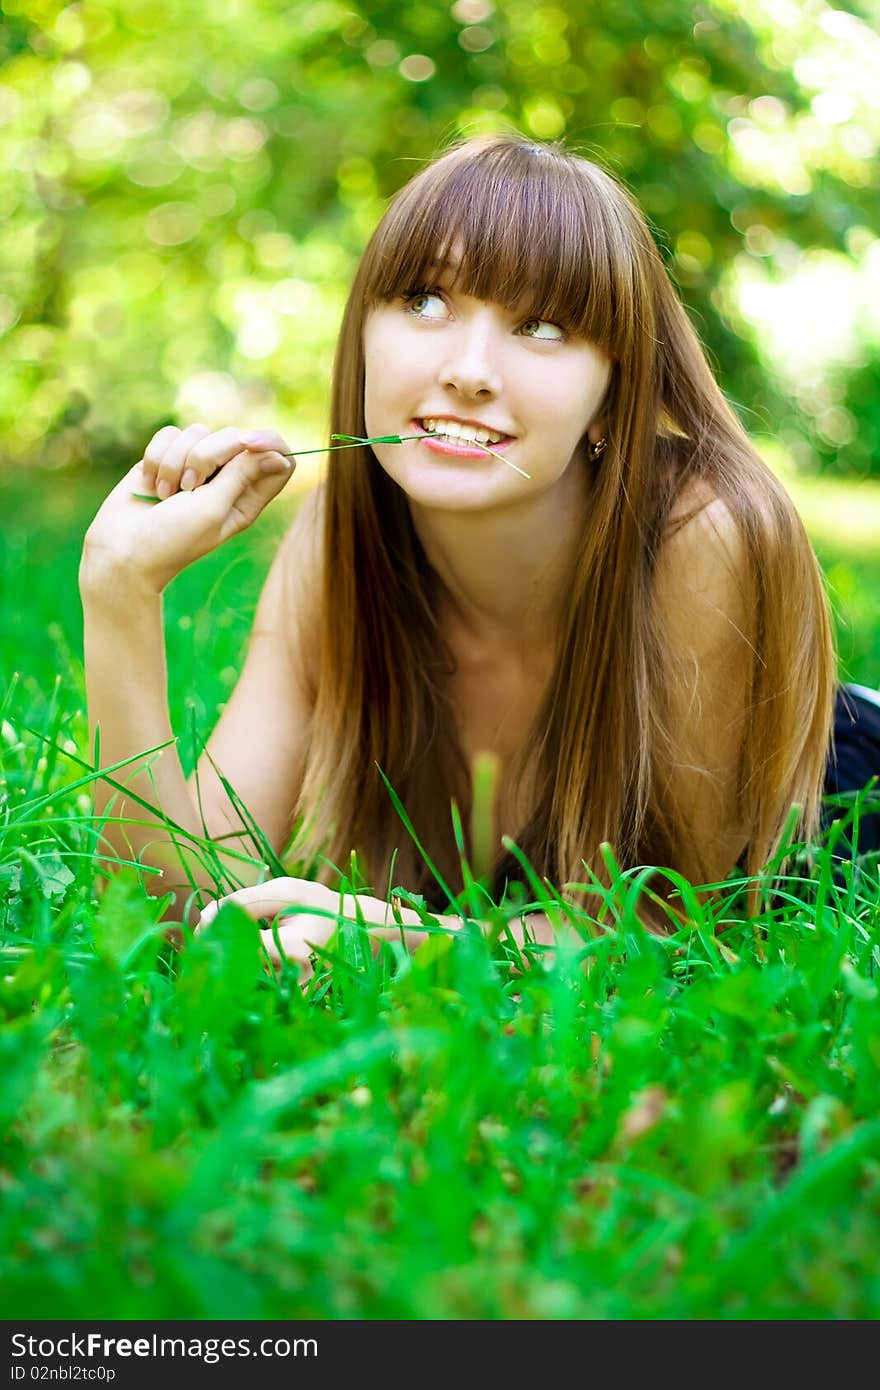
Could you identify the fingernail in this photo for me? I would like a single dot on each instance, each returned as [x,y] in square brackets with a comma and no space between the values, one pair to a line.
[188,481]
[163,488]
[257,439]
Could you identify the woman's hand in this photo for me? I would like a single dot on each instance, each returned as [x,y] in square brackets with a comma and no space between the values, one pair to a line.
[210,487]
[319,911]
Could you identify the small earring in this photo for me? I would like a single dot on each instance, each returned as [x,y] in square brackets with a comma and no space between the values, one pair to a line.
[598,448]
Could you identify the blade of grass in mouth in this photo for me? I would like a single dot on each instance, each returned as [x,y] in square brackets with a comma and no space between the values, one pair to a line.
[400,438]
[353,441]
[502,458]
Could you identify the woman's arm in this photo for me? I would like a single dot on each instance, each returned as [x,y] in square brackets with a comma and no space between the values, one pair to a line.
[130,553]
[124,652]
[260,741]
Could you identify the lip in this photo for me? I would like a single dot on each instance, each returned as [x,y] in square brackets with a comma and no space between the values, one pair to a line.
[473,451]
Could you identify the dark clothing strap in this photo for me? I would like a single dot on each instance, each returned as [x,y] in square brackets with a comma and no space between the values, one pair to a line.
[855,759]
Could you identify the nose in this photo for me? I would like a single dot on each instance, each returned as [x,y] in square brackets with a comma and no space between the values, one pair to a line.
[472,366]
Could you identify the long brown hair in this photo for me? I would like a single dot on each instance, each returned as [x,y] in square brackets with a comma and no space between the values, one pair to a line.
[536,218]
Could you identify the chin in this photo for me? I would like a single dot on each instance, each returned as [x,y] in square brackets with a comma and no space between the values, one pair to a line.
[450,491]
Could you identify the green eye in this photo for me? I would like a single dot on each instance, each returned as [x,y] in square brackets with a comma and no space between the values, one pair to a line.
[542,328]
[422,302]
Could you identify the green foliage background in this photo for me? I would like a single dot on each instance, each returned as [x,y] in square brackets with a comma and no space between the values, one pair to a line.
[187,188]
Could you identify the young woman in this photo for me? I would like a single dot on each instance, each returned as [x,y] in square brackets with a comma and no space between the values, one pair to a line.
[579,565]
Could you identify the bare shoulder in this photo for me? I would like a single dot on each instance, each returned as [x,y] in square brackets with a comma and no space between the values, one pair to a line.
[704,553]
[701,518]
[703,574]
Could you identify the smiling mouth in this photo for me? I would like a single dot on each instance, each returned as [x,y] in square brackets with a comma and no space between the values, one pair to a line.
[468,443]
[451,432]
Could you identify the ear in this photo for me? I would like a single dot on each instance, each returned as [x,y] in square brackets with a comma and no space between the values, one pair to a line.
[597,430]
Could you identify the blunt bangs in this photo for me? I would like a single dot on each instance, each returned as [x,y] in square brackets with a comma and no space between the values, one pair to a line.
[533,230]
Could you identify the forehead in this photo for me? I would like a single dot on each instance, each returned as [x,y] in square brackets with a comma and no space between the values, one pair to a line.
[527,238]
[450,273]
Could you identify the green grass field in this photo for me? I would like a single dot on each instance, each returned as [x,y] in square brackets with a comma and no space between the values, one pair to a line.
[632,1128]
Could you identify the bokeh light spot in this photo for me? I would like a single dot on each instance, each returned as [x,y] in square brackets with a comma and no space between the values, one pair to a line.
[544,118]
[472,11]
[172,224]
[476,38]
[417,67]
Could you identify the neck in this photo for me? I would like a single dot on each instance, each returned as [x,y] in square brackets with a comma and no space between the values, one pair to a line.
[507,571]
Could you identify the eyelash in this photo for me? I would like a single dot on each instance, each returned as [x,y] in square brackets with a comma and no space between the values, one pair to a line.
[410,295]
[415,294]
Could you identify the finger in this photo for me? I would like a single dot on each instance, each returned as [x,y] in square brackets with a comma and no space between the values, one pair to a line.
[273,895]
[272,447]
[265,441]
[305,971]
[207,455]
[172,462]
[155,452]
[132,481]
[268,906]
[207,915]
[245,487]
[294,951]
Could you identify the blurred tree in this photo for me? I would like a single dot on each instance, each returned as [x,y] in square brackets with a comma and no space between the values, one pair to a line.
[187,189]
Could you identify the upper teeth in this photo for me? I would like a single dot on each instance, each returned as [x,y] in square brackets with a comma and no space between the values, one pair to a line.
[452,429]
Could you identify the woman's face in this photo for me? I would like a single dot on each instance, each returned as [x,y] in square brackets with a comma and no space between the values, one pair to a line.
[446,360]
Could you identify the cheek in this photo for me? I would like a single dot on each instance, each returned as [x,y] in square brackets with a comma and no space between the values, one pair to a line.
[375,378]
[395,375]
[560,403]
[578,395]
[384,385]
